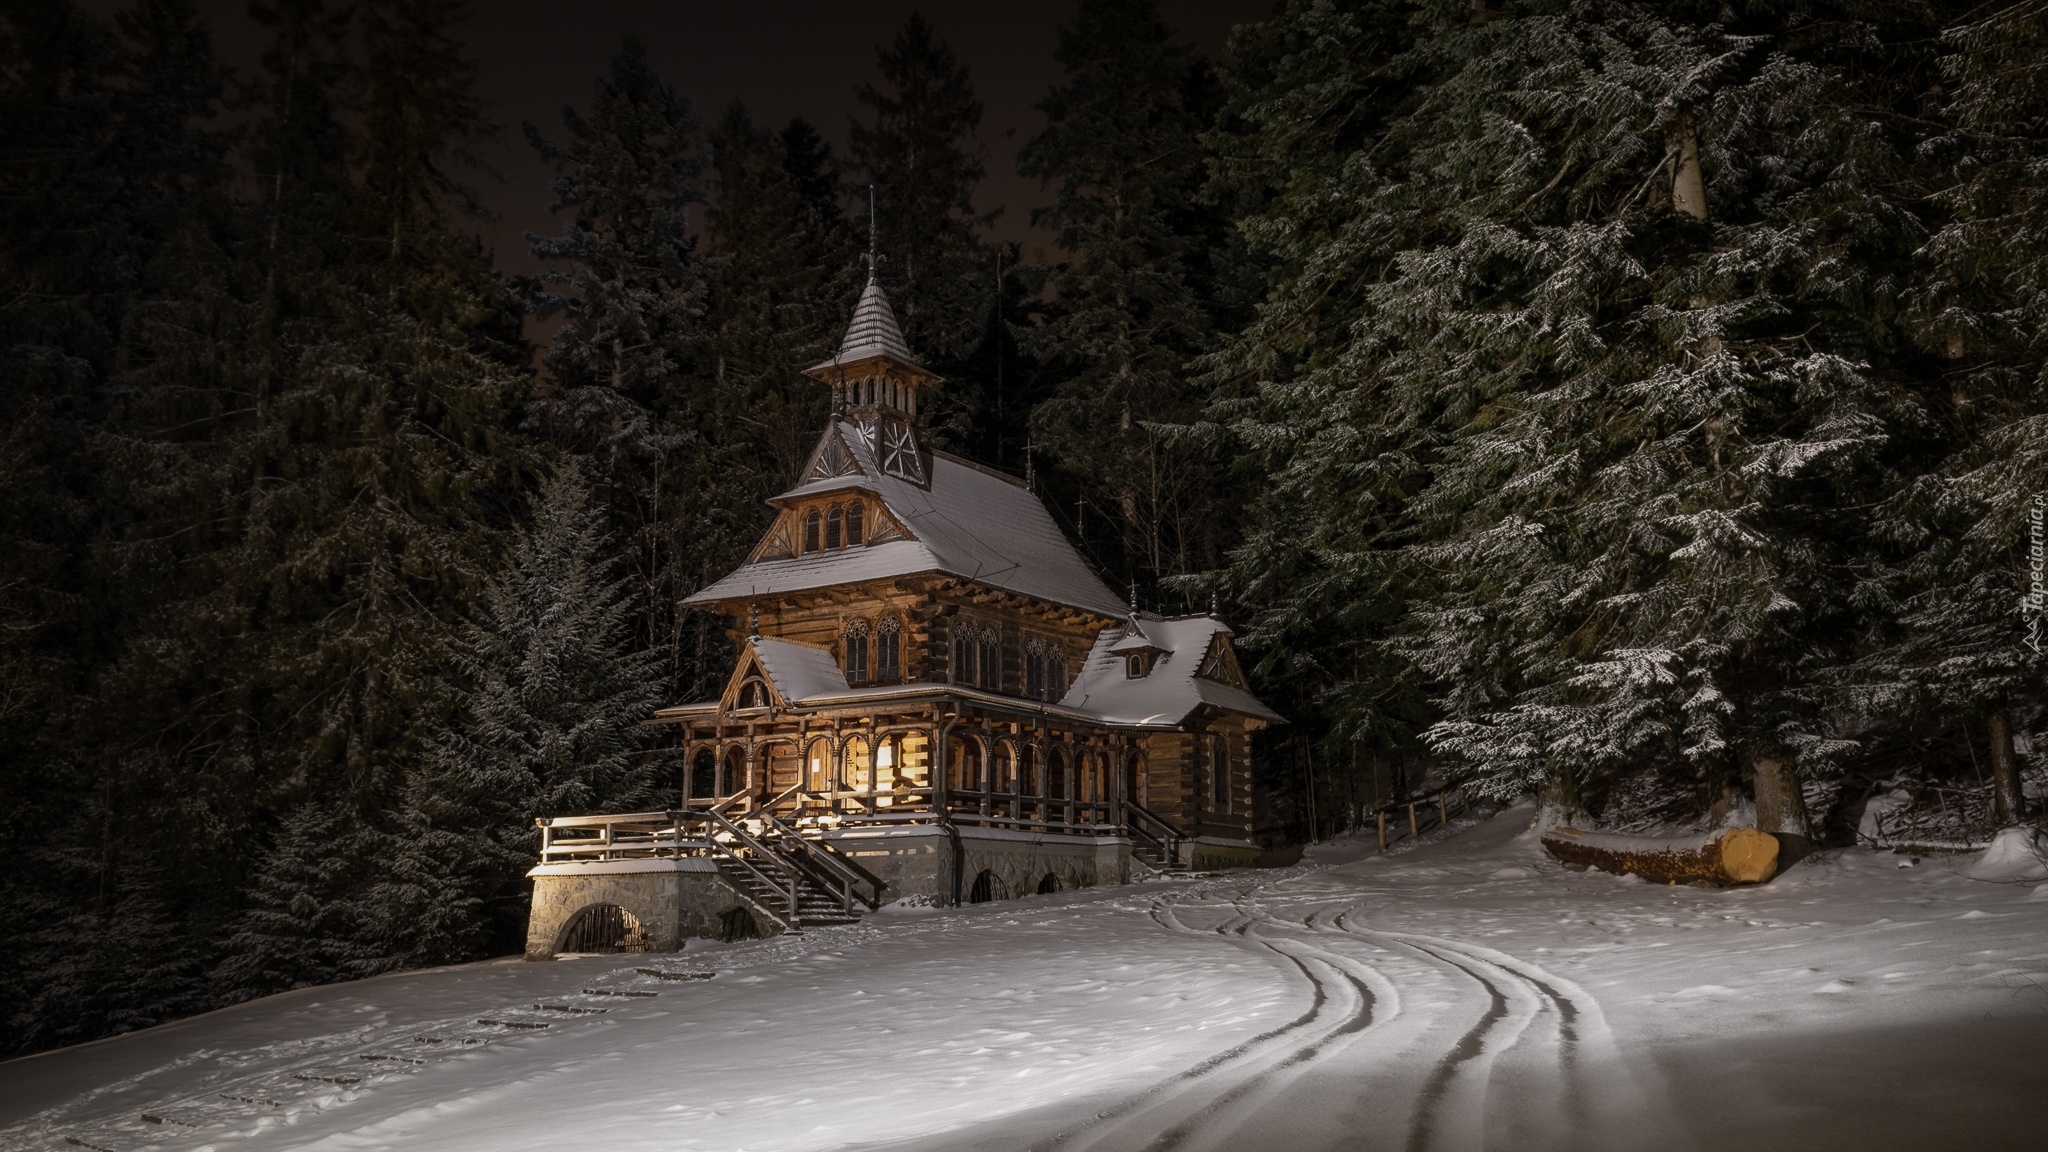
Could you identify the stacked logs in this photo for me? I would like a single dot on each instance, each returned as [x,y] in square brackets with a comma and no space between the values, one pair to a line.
[1715,859]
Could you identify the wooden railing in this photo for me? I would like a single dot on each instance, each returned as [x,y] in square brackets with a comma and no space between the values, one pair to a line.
[826,868]
[675,834]
[1149,828]
[1447,797]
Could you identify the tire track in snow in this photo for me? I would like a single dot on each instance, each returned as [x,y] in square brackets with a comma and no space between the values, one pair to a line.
[1157,1119]
[1570,1016]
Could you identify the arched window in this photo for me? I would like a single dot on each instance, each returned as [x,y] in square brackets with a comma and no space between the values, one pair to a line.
[965,765]
[859,774]
[735,771]
[991,660]
[964,649]
[853,525]
[753,694]
[818,766]
[889,650]
[811,523]
[703,779]
[1027,772]
[1056,774]
[857,652]
[1006,769]
[832,527]
[1045,669]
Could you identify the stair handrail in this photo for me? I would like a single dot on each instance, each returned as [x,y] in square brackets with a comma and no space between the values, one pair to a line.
[847,874]
[781,888]
[1168,839]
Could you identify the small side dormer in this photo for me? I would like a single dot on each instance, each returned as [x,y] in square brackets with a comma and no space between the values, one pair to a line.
[1138,651]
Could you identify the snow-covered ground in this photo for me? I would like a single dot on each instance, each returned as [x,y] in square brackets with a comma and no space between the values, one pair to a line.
[1465,994]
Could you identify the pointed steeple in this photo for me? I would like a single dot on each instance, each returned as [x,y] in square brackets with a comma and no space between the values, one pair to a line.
[873,368]
[874,331]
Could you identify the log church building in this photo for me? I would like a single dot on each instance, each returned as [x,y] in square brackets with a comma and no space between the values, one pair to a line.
[934,696]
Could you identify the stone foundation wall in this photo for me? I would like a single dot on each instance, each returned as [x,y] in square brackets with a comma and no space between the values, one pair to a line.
[672,899]
[1211,853]
[919,860]
[678,899]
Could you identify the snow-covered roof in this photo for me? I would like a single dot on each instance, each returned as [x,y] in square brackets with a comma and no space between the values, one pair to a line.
[1172,690]
[798,670]
[873,332]
[970,523]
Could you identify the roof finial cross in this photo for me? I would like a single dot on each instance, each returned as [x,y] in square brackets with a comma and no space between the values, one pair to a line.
[754,620]
[1134,598]
[874,256]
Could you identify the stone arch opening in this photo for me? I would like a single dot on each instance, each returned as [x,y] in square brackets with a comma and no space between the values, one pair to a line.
[604,928]
[1049,884]
[987,887]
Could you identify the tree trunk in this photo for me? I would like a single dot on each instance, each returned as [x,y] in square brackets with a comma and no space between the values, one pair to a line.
[2011,801]
[1781,810]
[1688,187]
[1736,856]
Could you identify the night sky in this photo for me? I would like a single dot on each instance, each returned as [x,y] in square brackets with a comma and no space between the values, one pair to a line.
[783,57]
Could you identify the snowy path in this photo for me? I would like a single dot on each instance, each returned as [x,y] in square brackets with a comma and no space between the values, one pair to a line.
[1465,995]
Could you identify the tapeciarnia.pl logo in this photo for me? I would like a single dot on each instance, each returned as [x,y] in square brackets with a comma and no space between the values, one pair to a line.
[2037,559]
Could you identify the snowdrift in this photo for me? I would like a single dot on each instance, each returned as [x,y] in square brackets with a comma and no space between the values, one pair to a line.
[2018,855]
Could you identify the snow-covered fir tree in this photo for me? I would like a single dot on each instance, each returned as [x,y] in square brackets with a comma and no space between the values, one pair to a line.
[1578,354]
[554,687]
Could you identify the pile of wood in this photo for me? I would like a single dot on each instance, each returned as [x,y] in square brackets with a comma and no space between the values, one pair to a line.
[1716,859]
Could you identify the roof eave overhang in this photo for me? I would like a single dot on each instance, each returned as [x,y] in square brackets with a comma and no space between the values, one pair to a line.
[836,369]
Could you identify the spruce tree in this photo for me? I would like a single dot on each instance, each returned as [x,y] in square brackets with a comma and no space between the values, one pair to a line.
[1582,355]
[555,689]
[1128,313]
[629,287]
[383,453]
[1957,633]
[116,340]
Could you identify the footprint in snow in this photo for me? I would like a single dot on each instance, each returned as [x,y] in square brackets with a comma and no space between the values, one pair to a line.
[1514,873]
[1835,987]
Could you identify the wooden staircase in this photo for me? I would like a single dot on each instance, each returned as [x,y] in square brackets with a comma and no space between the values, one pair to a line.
[1155,841]
[793,881]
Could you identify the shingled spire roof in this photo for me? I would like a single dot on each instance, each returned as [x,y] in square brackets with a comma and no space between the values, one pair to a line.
[873,332]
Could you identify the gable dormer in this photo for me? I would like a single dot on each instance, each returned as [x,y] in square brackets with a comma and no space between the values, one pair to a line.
[1220,662]
[1138,650]
[776,674]
[750,687]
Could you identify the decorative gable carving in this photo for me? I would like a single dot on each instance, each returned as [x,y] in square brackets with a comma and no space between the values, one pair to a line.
[887,528]
[780,543]
[831,459]
[899,452]
[1220,663]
